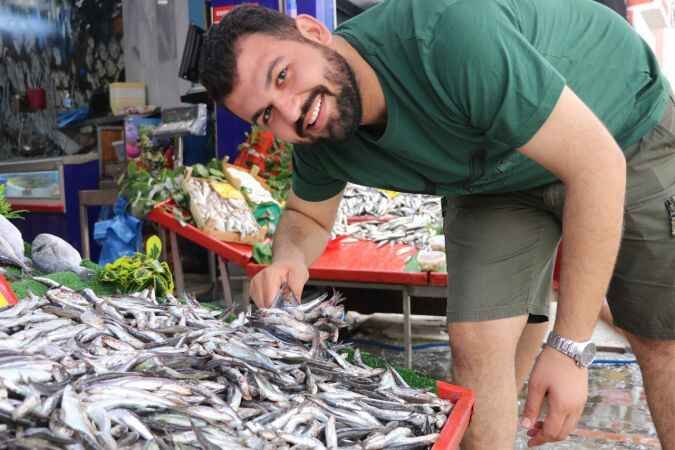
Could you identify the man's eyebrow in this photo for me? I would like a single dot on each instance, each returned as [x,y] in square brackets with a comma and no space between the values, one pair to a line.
[268,81]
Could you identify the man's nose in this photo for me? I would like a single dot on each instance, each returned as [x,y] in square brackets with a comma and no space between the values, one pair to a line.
[290,107]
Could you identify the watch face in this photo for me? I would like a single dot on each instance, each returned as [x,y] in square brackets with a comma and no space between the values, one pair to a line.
[587,355]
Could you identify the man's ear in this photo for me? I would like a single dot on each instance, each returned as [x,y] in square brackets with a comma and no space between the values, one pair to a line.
[313,29]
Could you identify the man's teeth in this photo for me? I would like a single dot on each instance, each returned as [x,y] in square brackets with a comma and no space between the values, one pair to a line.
[315,112]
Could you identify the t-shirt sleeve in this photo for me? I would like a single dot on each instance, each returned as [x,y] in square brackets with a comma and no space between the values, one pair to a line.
[494,79]
[310,181]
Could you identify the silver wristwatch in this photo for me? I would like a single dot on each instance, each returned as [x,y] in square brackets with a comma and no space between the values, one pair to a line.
[581,352]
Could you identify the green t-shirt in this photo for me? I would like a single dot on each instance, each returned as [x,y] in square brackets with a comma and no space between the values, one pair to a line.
[467,82]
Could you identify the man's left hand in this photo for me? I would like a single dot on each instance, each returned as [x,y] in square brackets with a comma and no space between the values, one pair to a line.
[557,378]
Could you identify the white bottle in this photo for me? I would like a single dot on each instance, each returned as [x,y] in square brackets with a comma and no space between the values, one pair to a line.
[67,101]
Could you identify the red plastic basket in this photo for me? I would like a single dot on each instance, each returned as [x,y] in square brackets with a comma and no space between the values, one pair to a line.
[454,429]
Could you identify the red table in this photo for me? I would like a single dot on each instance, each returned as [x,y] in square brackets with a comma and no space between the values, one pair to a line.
[237,253]
[226,251]
[361,262]
[438,279]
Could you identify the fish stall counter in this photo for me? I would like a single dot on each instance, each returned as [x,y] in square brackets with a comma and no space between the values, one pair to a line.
[344,263]
[223,385]
[47,188]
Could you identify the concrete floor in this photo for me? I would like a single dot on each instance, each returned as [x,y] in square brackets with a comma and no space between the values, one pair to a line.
[616,414]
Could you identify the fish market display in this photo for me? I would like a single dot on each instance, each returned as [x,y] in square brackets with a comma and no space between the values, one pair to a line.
[221,211]
[82,372]
[52,254]
[12,235]
[402,218]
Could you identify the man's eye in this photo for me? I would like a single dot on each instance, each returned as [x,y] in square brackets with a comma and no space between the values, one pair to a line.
[281,77]
[267,114]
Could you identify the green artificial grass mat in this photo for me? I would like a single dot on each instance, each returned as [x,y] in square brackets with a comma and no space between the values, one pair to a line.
[414,379]
[22,284]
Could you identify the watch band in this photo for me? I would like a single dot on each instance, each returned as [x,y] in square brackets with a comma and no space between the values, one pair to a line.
[565,346]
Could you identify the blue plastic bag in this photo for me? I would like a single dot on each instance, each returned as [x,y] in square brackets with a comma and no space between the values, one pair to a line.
[119,236]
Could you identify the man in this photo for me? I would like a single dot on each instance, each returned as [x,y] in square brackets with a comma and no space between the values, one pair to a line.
[511,109]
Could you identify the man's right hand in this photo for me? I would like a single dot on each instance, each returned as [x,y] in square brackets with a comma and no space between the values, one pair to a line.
[266,284]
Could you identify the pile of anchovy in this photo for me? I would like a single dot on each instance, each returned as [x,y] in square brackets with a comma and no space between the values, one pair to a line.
[78,371]
[405,218]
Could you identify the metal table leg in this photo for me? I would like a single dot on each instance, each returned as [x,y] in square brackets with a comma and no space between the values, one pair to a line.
[177,264]
[162,237]
[225,281]
[407,328]
[244,305]
[213,274]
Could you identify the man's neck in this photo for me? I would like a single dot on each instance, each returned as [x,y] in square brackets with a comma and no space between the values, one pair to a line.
[373,103]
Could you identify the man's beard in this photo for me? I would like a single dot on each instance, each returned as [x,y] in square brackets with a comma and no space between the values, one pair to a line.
[342,125]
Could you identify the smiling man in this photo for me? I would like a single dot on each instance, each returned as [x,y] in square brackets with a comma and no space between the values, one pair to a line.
[536,119]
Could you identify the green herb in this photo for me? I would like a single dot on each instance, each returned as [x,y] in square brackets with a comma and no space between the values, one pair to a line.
[280,161]
[140,271]
[262,253]
[413,265]
[217,173]
[145,190]
[6,208]
[198,170]
[23,284]
[215,164]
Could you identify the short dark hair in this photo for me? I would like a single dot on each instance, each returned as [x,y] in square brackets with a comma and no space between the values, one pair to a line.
[218,58]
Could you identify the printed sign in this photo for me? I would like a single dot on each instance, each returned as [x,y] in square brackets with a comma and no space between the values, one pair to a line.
[218,12]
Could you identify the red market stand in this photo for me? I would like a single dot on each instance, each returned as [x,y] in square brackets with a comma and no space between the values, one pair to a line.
[237,253]
[360,264]
[360,261]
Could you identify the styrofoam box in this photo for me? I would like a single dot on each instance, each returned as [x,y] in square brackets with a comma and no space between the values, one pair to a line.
[124,95]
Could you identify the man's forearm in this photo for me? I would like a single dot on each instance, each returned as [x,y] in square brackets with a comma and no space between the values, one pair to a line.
[592,226]
[298,238]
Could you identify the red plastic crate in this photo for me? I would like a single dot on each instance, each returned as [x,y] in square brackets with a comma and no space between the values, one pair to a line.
[454,429]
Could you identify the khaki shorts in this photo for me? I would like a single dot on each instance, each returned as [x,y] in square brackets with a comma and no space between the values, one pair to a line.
[501,248]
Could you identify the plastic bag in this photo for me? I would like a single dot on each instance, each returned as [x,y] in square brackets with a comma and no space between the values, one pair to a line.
[431,261]
[268,215]
[119,236]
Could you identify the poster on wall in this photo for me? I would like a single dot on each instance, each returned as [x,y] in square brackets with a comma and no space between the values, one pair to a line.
[221,7]
[217,12]
[44,184]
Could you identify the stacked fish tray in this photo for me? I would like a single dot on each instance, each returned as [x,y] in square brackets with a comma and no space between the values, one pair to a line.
[410,219]
[79,371]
